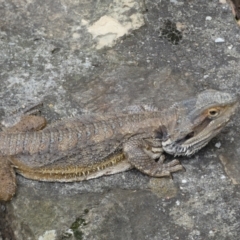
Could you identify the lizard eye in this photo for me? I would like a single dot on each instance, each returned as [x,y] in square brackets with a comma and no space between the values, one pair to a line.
[213,112]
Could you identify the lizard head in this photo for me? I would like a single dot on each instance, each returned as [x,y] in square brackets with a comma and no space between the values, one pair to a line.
[197,121]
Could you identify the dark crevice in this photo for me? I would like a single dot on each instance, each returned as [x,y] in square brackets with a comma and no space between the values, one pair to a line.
[6,232]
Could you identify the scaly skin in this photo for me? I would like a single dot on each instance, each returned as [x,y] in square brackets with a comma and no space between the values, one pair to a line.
[91,146]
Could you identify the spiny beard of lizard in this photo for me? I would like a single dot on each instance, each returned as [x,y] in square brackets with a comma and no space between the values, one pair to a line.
[178,150]
[204,124]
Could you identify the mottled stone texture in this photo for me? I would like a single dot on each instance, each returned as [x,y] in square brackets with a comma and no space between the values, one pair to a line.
[98,56]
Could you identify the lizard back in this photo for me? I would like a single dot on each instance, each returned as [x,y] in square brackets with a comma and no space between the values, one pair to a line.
[80,141]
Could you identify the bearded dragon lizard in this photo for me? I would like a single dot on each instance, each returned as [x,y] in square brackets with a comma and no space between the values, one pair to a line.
[91,146]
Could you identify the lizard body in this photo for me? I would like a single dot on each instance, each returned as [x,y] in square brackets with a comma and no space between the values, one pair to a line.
[91,146]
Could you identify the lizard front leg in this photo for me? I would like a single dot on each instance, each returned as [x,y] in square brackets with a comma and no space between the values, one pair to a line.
[143,157]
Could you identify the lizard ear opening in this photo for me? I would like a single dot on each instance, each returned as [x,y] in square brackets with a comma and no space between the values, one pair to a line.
[161,133]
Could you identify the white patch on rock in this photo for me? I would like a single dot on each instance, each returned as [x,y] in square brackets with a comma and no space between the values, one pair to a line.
[218,145]
[48,235]
[107,25]
[208,18]
[116,23]
[219,40]
[76,35]
[106,30]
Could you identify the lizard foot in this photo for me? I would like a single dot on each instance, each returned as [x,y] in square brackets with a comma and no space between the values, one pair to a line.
[166,169]
[146,163]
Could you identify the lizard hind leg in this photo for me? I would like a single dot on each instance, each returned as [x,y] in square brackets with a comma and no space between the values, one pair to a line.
[144,162]
[7,180]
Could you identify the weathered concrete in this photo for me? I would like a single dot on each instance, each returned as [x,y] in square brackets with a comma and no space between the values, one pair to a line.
[99,56]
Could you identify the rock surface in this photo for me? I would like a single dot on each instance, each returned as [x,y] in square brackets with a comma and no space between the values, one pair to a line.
[99,56]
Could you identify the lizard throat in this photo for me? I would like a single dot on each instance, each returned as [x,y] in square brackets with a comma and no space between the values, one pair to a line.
[195,140]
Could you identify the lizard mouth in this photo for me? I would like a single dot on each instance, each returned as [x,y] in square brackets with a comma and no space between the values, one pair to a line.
[193,141]
[197,130]
[198,138]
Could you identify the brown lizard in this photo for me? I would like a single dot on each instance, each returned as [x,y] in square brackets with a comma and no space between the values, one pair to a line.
[91,146]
